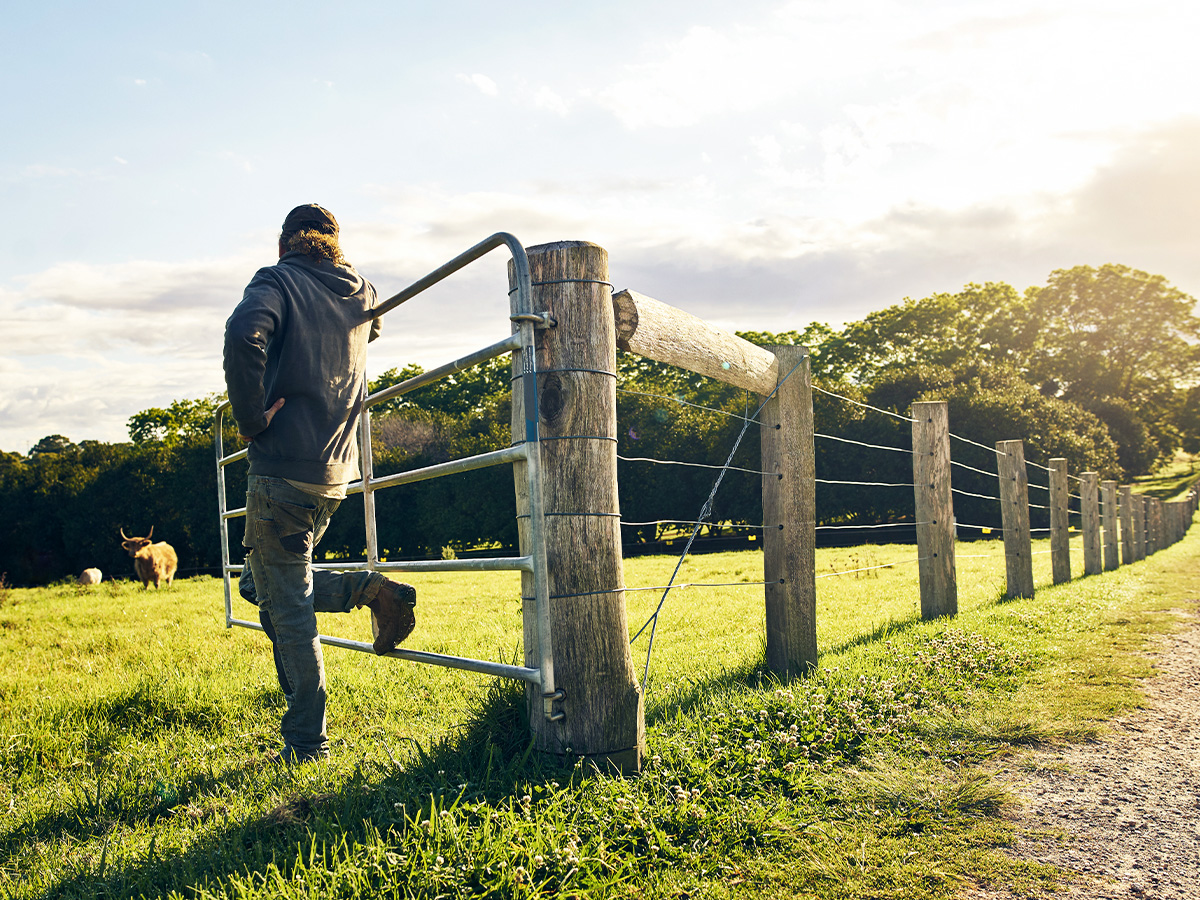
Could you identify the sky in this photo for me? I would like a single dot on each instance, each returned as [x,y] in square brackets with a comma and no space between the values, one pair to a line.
[760,164]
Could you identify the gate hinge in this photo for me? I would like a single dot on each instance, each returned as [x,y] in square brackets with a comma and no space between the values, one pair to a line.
[541,321]
[548,705]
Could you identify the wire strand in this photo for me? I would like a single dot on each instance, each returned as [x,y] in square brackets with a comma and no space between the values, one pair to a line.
[682,402]
[834,437]
[873,568]
[885,525]
[969,494]
[863,483]
[675,462]
[974,443]
[955,462]
[886,412]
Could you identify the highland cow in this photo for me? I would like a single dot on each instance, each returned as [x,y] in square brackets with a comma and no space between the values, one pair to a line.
[90,576]
[151,562]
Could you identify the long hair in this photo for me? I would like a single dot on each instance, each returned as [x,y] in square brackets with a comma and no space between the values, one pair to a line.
[312,242]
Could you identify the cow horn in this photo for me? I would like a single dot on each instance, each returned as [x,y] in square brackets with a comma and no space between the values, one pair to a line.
[151,534]
[123,534]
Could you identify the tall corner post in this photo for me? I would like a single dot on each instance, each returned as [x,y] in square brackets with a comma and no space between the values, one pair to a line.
[601,701]
[934,509]
[1108,516]
[1060,522]
[1125,514]
[1014,514]
[789,517]
[1089,505]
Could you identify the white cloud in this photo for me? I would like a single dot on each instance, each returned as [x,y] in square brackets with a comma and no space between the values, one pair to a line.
[121,160]
[549,100]
[482,83]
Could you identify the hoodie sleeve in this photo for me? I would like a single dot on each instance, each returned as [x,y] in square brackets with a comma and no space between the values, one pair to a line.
[248,331]
[376,321]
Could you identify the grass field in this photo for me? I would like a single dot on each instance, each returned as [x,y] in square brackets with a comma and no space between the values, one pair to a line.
[139,736]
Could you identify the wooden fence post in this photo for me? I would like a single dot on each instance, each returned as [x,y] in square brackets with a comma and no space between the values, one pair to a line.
[1093,564]
[577,412]
[1139,526]
[1060,522]
[1108,513]
[1126,515]
[1153,544]
[1160,525]
[934,509]
[1014,513]
[789,517]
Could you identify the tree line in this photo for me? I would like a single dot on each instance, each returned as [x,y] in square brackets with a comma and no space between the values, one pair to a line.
[1098,366]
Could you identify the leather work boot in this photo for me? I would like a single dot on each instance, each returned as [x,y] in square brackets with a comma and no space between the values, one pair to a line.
[392,618]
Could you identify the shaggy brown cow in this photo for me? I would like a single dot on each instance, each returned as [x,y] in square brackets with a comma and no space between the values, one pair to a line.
[90,576]
[152,562]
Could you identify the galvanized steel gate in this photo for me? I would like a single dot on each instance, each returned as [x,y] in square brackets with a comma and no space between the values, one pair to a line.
[528,451]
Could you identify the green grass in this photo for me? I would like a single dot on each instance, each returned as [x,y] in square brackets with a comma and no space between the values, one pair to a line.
[137,753]
[1170,480]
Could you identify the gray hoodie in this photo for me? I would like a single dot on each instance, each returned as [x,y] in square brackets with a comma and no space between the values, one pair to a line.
[301,333]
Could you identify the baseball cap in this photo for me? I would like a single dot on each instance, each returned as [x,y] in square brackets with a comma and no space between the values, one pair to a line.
[312,216]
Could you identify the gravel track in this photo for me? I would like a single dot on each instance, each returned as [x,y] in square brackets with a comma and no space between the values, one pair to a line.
[1122,811]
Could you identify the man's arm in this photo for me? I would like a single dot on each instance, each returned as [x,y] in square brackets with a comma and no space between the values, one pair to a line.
[268,415]
[247,333]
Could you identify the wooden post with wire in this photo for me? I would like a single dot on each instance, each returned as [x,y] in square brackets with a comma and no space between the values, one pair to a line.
[934,509]
[1014,513]
[1156,523]
[1151,536]
[1125,514]
[1108,515]
[1138,511]
[1060,522]
[789,517]
[577,415]
[1093,563]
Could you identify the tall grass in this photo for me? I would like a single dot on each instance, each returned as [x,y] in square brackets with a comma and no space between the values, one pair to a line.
[139,741]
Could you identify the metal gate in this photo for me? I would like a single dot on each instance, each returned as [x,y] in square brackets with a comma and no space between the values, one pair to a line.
[525,321]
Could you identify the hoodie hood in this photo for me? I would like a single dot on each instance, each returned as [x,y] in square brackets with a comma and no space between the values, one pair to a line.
[342,280]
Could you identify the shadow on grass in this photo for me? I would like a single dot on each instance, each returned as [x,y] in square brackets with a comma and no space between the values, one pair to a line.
[489,759]
[881,632]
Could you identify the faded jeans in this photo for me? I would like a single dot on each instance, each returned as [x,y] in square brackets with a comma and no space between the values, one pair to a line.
[283,525]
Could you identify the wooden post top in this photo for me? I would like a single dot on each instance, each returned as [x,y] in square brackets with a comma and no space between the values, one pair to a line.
[666,334]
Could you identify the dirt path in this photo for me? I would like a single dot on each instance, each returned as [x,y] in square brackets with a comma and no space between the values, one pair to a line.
[1124,810]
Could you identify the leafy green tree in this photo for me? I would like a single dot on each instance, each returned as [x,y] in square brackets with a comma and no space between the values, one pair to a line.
[989,322]
[1114,333]
[1187,419]
[52,443]
[182,421]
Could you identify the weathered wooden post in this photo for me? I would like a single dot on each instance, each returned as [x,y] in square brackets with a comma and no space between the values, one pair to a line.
[1126,515]
[577,412]
[1108,514]
[1014,514]
[1060,522]
[1153,535]
[659,331]
[789,517]
[934,509]
[1090,506]
[1138,510]
[1159,526]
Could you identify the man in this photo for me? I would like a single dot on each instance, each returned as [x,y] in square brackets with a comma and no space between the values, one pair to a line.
[295,359]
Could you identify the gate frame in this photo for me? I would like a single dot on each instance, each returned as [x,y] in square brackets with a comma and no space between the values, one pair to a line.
[525,321]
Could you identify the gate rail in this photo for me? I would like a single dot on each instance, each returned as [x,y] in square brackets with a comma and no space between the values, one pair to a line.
[526,321]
